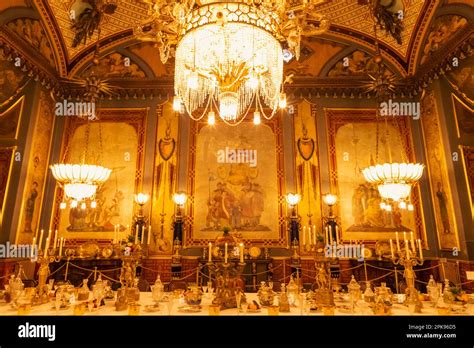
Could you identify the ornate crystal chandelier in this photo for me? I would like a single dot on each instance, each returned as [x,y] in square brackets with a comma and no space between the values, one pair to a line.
[229,54]
[394,180]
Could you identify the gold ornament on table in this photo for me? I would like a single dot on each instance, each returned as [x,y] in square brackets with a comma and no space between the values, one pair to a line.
[228,54]
[227,267]
[408,253]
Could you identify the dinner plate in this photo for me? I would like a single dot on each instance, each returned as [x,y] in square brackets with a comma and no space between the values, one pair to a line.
[189,309]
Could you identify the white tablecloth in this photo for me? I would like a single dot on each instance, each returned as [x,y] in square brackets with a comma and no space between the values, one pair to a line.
[146,299]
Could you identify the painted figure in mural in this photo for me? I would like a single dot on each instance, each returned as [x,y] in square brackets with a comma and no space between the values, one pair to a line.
[443,209]
[359,198]
[373,214]
[30,206]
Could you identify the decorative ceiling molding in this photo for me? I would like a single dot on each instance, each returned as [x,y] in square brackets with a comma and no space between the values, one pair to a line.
[357,63]
[32,32]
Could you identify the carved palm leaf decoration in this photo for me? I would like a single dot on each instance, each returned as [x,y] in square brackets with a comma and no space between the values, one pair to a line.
[89,19]
[388,20]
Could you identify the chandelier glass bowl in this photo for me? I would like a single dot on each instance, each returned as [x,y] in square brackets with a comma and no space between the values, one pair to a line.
[229,60]
[80,181]
[394,180]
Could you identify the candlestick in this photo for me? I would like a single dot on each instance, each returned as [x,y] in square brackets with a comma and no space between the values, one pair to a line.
[391,249]
[398,242]
[225,254]
[330,234]
[149,235]
[420,249]
[55,239]
[304,235]
[407,249]
[61,246]
[142,240]
[41,240]
[241,253]
[210,252]
[337,235]
[46,247]
[412,242]
[136,234]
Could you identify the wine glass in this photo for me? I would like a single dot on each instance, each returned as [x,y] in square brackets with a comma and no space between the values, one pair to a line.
[238,298]
[57,302]
[245,307]
[169,305]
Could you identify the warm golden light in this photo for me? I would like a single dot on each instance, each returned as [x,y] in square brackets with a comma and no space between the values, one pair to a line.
[180,198]
[141,198]
[394,180]
[293,199]
[229,63]
[256,118]
[211,118]
[177,103]
[330,199]
[80,181]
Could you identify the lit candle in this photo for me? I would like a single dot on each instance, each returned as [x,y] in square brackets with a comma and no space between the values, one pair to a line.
[143,235]
[405,236]
[420,249]
[149,235]
[136,234]
[225,253]
[391,249]
[55,239]
[304,235]
[330,235]
[314,234]
[407,249]
[61,246]
[337,234]
[46,247]
[241,252]
[41,240]
[49,234]
[34,241]
[210,252]
[327,234]
[412,242]
[398,242]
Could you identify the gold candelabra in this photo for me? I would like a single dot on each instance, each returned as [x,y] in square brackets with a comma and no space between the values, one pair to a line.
[227,275]
[408,256]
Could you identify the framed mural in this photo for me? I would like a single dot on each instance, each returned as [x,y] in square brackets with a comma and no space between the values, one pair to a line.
[464,116]
[437,172]
[236,180]
[10,120]
[352,146]
[307,168]
[165,172]
[468,163]
[120,133]
[6,165]
[37,171]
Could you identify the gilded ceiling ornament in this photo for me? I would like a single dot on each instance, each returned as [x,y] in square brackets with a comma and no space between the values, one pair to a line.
[169,20]
[86,17]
